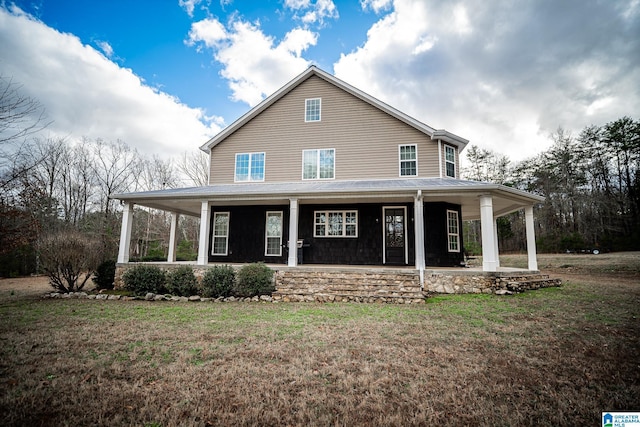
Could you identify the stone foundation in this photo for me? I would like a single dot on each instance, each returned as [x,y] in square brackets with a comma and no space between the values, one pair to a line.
[353,285]
[470,282]
[402,286]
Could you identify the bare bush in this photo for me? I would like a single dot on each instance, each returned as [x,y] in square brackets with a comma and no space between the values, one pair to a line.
[69,258]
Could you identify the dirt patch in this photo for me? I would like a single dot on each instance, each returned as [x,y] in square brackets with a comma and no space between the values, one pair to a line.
[24,286]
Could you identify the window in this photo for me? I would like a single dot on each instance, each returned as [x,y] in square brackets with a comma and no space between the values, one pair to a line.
[336,224]
[273,246]
[450,161]
[220,233]
[249,167]
[312,109]
[408,160]
[453,234]
[318,164]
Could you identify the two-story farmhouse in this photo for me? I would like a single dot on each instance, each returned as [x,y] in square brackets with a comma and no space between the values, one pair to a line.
[321,173]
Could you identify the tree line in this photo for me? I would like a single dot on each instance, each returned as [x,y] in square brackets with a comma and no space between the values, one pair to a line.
[590,184]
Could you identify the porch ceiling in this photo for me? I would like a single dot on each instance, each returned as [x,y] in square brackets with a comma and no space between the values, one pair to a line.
[188,201]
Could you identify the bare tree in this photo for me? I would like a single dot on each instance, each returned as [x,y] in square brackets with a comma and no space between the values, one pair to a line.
[195,165]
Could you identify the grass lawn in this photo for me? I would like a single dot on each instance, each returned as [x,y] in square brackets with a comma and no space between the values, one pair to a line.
[556,356]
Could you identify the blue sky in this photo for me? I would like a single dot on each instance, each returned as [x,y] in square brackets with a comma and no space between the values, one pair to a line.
[166,75]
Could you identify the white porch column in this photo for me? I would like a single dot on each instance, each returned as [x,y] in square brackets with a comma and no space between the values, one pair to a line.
[418,219]
[293,233]
[173,241]
[125,233]
[205,231]
[489,253]
[531,238]
[495,240]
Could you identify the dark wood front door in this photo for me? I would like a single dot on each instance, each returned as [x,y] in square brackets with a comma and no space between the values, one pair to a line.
[394,236]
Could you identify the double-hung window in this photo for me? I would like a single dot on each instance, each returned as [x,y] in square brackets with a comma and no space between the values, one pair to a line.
[453,231]
[335,224]
[249,167]
[450,161]
[312,109]
[408,160]
[273,245]
[220,244]
[318,164]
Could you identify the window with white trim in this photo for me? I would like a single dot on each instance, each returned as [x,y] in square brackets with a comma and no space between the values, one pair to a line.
[408,155]
[220,240]
[450,161]
[312,109]
[335,224]
[249,167]
[318,164]
[273,243]
[453,231]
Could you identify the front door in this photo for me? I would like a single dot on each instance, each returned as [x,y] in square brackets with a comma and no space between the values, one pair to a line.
[394,236]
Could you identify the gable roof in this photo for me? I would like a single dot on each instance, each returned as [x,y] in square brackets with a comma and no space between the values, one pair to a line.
[434,134]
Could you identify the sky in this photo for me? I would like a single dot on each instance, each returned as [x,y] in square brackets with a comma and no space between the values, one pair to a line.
[166,75]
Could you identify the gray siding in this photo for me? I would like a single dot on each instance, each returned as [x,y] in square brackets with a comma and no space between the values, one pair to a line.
[365,138]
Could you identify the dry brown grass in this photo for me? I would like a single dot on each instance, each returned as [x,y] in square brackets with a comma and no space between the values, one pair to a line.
[556,356]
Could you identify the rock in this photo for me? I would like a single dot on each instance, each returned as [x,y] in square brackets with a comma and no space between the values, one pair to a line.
[255,299]
[114,297]
[65,296]
[205,299]
[266,298]
[184,299]
[159,298]
[102,296]
[92,296]
[503,292]
[149,296]
[194,298]
[230,299]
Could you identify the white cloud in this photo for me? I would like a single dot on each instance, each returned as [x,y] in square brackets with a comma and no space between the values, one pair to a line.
[503,75]
[106,48]
[310,12]
[254,63]
[376,5]
[189,5]
[85,94]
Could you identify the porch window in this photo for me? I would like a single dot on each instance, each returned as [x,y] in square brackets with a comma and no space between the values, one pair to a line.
[318,164]
[312,109]
[450,161]
[274,234]
[220,244]
[249,167]
[408,160]
[453,233]
[336,224]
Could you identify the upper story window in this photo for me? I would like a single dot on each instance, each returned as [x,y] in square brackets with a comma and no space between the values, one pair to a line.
[318,164]
[408,160]
[312,109]
[249,167]
[450,161]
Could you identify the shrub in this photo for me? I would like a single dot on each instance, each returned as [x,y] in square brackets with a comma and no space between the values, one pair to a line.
[182,281]
[218,281]
[69,258]
[142,279]
[104,275]
[254,279]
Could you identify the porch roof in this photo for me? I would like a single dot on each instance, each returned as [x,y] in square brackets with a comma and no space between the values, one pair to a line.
[465,193]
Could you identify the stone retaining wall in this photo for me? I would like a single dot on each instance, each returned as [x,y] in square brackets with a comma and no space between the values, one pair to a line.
[357,285]
[467,282]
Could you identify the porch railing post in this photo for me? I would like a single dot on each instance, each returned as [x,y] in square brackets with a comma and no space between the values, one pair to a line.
[125,233]
[205,228]
[293,233]
[489,254]
[531,238]
[173,242]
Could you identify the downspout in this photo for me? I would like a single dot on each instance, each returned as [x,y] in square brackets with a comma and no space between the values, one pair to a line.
[440,157]
[419,224]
